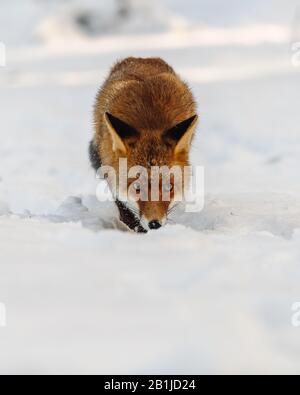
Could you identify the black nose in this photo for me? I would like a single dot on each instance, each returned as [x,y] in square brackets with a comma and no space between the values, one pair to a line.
[154,224]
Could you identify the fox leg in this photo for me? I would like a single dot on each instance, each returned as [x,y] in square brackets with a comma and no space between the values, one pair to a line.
[129,219]
[126,216]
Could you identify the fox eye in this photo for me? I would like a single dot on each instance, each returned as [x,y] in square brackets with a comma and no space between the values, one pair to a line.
[168,188]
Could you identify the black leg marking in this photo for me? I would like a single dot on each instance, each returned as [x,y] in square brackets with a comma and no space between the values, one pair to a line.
[94,156]
[129,218]
[126,216]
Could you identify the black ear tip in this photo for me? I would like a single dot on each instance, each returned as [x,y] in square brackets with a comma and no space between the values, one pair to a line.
[176,133]
[122,128]
[191,120]
[109,115]
[112,119]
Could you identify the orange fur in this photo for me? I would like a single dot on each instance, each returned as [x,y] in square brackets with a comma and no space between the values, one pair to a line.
[150,97]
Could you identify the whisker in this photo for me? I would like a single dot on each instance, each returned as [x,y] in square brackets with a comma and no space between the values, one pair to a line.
[171,221]
[173,208]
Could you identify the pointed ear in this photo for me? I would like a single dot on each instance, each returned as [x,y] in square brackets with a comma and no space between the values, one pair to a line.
[120,132]
[181,135]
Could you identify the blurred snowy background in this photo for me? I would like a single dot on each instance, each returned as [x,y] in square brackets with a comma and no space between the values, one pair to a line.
[212,294]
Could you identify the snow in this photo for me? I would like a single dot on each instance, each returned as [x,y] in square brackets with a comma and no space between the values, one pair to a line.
[211,292]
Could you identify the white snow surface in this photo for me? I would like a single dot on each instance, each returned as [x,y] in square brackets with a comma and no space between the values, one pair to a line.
[211,292]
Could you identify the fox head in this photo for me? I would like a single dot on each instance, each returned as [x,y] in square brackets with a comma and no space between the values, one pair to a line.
[152,125]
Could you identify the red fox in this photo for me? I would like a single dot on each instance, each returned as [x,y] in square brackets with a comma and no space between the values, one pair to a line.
[146,114]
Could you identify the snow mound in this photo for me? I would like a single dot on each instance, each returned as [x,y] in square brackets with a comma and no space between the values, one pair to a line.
[80,20]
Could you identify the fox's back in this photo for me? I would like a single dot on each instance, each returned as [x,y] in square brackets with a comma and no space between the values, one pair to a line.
[145,93]
[146,114]
[139,69]
[150,97]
